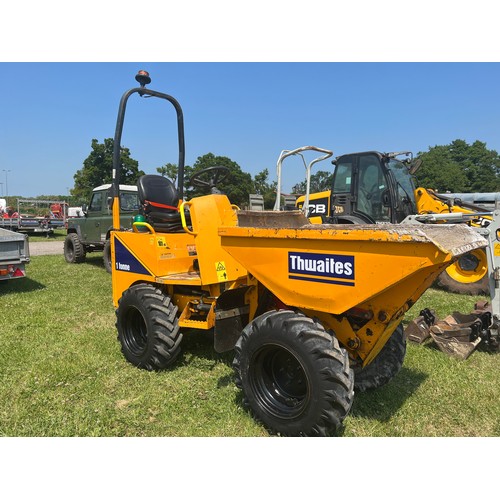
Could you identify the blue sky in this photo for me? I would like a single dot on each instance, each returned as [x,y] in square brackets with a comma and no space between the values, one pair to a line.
[246,111]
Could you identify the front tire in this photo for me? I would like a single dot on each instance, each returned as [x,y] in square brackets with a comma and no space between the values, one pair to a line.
[74,251]
[295,377]
[148,327]
[385,366]
[467,276]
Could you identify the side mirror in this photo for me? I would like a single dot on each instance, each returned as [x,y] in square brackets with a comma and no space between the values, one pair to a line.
[415,166]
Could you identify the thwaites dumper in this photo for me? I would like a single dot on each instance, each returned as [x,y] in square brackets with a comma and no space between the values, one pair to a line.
[311,311]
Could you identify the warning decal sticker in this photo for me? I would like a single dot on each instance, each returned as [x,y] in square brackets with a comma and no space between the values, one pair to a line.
[220,268]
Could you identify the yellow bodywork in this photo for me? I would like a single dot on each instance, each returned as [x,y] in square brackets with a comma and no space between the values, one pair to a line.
[357,280]
[378,272]
[194,257]
[426,203]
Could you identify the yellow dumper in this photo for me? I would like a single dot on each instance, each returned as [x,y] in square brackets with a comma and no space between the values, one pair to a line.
[311,311]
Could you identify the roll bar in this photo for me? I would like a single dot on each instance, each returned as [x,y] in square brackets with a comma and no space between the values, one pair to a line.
[285,154]
[143,78]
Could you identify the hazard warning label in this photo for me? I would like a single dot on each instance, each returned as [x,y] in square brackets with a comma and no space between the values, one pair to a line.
[220,267]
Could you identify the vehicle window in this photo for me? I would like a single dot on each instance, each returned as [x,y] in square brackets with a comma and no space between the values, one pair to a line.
[96,202]
[129,202]
[342,178]
[404,181]
[372,184]
[371,175]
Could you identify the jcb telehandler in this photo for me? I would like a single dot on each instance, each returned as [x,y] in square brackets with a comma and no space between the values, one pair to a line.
[313,312]
[370,187]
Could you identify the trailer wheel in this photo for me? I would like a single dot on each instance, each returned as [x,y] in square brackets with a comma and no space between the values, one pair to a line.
[106,256]
[467,276]
[295,377]
[385,366]
[148,328]
[74,251]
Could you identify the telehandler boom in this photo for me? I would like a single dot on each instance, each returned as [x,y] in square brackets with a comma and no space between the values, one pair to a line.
[312,312]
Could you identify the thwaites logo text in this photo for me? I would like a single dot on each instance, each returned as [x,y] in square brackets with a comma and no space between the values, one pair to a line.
[322,268]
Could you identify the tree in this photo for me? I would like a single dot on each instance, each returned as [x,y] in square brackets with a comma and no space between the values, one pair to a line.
[268,190]
[460,168]
[98,166]
[169,170]
[237,186]
[320,181]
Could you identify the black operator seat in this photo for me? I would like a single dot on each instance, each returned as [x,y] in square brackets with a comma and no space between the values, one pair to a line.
[159,203]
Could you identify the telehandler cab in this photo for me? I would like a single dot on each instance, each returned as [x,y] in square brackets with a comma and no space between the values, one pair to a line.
[312,312]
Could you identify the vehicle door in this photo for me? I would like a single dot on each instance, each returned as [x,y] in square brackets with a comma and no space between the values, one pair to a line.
[97,213]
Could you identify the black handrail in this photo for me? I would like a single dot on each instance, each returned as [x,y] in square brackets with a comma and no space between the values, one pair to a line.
[143,78]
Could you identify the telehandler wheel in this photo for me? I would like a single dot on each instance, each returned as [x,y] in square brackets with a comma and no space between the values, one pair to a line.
[295,377]
[385,366]
[467,276]
[106,256]
[74,251]
[148,328]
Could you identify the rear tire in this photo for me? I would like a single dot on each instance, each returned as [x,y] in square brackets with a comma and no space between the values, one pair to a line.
[106,256]
[385,366]
[74,251]
[148,327]
[295,377]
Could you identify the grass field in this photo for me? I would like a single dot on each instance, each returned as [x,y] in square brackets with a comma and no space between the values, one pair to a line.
[57,235]
[62,373]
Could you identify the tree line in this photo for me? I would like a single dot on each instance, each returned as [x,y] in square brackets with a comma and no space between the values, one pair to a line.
[97,170]
[457,167]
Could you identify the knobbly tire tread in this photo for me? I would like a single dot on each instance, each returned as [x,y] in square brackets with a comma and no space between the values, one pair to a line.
[325,362]
[78,250]
[161,347]
[385,366]
[106,256]
[447,283]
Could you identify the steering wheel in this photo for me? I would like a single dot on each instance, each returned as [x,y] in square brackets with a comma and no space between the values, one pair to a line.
[209,177]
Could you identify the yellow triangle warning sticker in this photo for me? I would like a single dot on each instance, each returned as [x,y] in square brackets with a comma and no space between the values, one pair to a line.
[220,267]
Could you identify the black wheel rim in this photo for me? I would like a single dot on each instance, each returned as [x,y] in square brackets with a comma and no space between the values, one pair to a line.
[279,382]
[134,332]
[468,262]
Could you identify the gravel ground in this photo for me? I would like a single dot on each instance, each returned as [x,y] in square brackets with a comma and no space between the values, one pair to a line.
[46,248]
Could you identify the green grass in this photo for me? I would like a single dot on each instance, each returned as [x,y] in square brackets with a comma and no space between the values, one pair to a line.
[57,235]
[62,373]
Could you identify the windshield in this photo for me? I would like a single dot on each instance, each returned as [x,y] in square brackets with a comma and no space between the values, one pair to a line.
[129,201]
[404,182]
